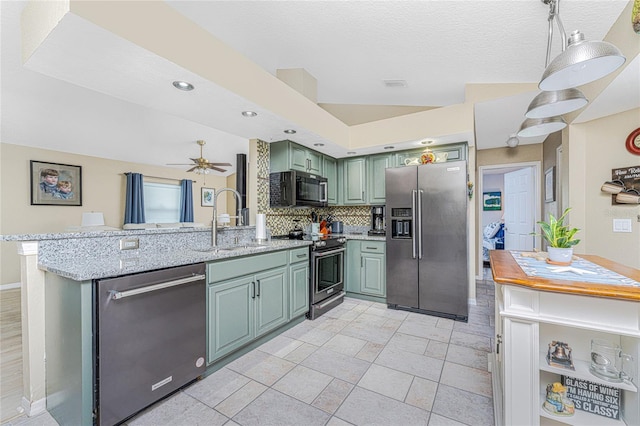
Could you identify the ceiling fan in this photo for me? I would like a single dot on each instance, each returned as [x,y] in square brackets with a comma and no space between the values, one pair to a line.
[201,165]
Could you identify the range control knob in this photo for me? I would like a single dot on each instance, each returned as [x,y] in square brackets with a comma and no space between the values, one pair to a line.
[342,240]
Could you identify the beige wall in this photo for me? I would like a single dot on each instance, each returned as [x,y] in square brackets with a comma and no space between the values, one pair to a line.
[103,187]
[592,149]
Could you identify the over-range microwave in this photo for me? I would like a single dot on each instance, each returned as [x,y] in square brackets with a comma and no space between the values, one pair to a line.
[297,189]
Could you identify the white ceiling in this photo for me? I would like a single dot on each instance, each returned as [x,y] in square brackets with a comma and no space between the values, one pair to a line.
[97,94]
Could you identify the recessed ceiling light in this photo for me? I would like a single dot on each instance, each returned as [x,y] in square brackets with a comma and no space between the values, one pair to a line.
[290,132]
[395,83]
[249,113]
[318,144]
[389,147]
[426,142]
[351,153]
[183,85]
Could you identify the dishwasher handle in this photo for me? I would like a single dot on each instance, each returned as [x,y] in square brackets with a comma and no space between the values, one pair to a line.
[122,294]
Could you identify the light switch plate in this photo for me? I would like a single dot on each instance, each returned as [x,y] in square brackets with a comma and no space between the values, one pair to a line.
[621,225]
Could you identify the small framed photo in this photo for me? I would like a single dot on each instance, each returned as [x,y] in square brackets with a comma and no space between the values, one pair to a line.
[492,201]
[54,184]
[207,197]
[550,185]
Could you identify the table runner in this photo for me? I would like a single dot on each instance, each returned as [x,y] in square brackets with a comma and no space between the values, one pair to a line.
[591,272]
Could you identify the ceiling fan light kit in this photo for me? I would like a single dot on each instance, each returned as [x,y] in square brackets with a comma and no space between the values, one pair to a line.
[513,141]
[202,165]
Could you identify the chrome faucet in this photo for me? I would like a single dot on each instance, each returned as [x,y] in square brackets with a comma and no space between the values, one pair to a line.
[214,223]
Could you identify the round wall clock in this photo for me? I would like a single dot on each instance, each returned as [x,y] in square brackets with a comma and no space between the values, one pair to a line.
[633,142]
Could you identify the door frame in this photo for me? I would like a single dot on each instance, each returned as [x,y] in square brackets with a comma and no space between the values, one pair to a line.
[537,202]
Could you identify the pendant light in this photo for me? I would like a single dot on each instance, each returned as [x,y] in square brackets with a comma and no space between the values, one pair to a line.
[532,127]
[557,102]
[581,61]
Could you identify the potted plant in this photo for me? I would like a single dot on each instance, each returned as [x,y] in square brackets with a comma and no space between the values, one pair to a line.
[560,237]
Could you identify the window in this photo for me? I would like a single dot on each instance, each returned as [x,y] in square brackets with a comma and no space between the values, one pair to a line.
[161,203]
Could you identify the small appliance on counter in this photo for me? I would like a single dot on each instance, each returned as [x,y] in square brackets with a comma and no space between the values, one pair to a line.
[377,221]
[296,233]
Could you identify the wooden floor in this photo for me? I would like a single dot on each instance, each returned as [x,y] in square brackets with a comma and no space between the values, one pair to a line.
[10,354]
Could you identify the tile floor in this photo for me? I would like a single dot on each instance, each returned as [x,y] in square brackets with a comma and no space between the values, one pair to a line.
[359,364]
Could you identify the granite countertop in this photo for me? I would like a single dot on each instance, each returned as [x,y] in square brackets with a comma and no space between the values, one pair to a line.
[362,236]
[96,265]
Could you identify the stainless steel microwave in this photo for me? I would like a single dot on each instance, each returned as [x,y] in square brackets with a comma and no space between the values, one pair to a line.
[297,189]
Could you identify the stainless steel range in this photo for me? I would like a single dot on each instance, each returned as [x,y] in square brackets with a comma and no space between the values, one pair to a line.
[326,274]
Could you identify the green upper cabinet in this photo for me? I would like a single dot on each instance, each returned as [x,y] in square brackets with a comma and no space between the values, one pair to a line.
[355,181]
[286,155]
[376,165]
[331,173]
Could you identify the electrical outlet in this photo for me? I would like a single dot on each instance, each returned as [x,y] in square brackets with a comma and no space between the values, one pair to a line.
[129,244]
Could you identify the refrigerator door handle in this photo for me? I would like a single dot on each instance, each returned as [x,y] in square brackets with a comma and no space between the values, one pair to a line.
[419,224]
[414,196]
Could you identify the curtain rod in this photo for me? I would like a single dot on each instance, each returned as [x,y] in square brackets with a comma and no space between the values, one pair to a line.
[159,177]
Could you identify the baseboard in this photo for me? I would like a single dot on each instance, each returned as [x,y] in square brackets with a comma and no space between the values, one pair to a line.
[34,408]
[9,286]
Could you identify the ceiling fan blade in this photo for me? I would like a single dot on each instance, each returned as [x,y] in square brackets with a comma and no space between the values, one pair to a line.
[216,168]
[192,169]
[195,160]
[221,164]
[179,164]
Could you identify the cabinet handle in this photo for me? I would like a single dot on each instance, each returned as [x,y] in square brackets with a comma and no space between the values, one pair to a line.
[371,248]
[361,262]
[258,288]
[362,195]
[300,256]
[498,341]
[253,289]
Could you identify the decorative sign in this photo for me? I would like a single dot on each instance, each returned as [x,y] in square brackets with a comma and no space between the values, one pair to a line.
[593,397]
[630,178]
[492,201]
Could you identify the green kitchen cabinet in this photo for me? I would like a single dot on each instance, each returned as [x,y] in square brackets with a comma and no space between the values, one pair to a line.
[376,165]
[299,282]
[286,155]
[355,181]
[231,323]
[373,275]
[242,309]
[366,269]
[329,165]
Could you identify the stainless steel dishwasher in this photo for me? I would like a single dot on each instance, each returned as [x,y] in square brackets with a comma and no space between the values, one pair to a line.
[150,338]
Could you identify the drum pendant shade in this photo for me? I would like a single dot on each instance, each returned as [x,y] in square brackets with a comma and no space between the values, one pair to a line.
[582,62]
[532,127]
[558,102]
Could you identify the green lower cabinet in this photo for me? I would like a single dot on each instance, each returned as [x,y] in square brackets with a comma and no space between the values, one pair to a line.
[271,307]
[242,309]
[298,289]
[230,316]
[366,268]
[373,276]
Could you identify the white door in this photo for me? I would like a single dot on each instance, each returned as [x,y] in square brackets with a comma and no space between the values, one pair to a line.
[518,210]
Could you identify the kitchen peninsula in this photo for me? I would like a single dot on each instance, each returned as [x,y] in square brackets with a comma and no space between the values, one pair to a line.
[534,309]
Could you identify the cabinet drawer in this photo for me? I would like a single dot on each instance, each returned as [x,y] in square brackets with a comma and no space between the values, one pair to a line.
[372,247]
[299,255]
[225,269]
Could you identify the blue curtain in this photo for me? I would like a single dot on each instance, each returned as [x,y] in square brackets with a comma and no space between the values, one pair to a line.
[134,203]
[186,200]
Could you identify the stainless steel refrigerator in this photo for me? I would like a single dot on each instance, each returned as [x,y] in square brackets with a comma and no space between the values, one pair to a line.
[427,268]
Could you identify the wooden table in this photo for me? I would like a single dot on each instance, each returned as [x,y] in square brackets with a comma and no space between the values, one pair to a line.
[506,270]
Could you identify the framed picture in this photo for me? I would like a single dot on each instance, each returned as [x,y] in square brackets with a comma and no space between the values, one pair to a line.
[54,184]
[550,185]
[492,201]
[207,197]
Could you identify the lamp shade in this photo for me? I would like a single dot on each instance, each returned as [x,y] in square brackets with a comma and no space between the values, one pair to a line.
[582,62]
[557,102]
[532,127]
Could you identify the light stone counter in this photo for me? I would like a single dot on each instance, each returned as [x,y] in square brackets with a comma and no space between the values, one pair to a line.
[93,255]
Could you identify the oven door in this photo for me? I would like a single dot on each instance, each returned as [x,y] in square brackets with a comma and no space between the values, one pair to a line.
[327,273]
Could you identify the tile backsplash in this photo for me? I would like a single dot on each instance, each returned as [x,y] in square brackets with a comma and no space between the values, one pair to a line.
[280,220]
